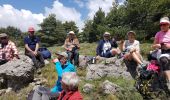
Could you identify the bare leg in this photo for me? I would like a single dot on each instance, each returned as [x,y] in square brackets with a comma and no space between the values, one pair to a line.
[136,58]
[167,74]
[115,51]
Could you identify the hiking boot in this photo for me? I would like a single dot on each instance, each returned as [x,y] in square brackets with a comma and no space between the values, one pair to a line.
[143,65]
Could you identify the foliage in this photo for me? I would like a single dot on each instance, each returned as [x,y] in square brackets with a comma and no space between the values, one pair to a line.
[141,16]
[14,34]
[54,31]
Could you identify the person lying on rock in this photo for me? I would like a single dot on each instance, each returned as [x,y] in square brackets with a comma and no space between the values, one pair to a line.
[131,49]
[162,46]
[31,48]
[62,65]
[106,47]
[72,47]
[8,49]
[69,84]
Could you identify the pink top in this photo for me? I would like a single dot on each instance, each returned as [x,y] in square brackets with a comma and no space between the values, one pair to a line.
[163,37]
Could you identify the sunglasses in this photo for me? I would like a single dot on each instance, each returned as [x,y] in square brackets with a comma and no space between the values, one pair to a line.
[3,38]
[163,24]
[107,36]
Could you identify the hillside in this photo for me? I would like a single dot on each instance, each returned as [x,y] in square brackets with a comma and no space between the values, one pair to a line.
[48,72]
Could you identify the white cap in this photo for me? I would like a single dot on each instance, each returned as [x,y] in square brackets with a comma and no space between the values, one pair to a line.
[71,32]
[164,20]
[64,54]
[106,33]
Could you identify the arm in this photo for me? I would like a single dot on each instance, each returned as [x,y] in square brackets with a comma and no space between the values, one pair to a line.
[27,48]
[77,43]
[37,46]
[98,49]
[58,67]
[15,51]
[65,45]
[123,46]
[156,44]
[26,45]
[136,47]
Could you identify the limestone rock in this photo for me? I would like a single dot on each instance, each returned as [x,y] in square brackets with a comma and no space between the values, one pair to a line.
[109,87]
[17,73]
[88,88]
[114,67]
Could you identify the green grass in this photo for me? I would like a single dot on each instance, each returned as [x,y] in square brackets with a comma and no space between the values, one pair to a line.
[49,73]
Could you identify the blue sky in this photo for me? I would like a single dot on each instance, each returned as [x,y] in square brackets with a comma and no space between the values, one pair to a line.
[32,12]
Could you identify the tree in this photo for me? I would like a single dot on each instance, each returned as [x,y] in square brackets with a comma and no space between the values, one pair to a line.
[95,28]
[53,31]
[70,26]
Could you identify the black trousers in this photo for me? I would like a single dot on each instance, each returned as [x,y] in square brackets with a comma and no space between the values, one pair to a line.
[38,60]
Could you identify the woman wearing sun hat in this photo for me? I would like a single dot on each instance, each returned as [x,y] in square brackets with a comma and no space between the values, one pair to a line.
[162,41]
[72,47]
[131,48]
[62,65]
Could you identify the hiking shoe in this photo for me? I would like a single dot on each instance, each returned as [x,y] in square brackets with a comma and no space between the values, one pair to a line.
[143,65]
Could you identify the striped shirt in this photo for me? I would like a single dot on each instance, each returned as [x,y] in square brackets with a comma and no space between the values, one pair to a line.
[8,51]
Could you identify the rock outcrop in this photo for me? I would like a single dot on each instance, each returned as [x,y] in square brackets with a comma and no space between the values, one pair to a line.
[16,73]
[110,88]
[111,67]
[87,88]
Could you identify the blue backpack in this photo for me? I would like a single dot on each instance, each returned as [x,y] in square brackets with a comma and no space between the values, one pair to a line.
[45,52]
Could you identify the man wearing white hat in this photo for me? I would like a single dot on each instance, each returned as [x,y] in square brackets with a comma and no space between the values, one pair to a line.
[162,41]
[106,47]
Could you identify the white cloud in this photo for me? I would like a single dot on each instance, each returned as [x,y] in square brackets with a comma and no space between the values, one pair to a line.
[93,6]
[80,3]
[64,13]
[21,19]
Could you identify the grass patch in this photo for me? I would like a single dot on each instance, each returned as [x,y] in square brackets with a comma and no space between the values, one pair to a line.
[49,73]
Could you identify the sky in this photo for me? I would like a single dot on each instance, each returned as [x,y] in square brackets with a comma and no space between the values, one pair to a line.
[25,13]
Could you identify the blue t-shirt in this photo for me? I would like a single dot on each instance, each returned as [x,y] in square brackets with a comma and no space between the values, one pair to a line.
[31,41]
[68,67]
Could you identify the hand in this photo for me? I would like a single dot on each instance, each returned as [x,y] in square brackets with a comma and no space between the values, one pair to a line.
[156,46]
[132,50]
[55,60]
[35,52]
[98,57]
[16,56]
[165,46]
[69,49]
[72,46]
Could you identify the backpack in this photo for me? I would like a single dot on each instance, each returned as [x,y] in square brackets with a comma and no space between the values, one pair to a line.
[45,52]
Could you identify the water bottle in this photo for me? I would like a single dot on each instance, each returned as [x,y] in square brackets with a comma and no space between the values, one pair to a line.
[94,60]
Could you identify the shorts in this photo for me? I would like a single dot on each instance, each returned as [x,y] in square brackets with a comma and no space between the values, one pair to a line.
[166,66]
[108,54]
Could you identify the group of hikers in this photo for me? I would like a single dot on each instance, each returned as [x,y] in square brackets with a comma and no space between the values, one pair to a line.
[66,87]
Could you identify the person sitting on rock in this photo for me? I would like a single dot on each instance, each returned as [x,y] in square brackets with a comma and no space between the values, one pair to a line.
[69,84]
[62,65]
[162,46]
[131,49]
[8,49]
[106,47]
[31,48]
[72,46]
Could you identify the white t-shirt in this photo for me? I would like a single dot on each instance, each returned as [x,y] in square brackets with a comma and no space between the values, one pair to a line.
[106,46]
[129,46]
